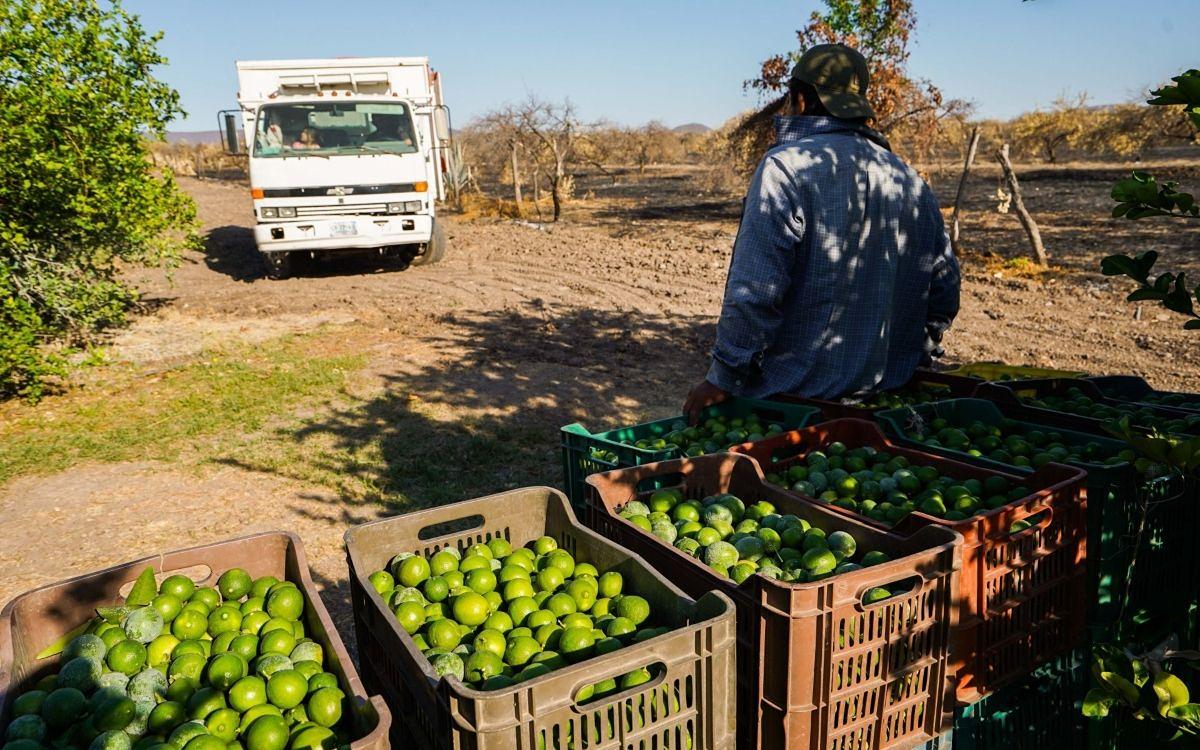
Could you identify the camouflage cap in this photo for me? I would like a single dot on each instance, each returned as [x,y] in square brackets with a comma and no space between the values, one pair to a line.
[840,76]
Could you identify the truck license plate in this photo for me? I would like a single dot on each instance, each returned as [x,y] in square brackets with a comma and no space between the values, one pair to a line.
[343,228]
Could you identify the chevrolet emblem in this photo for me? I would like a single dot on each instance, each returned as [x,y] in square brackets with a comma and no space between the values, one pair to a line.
[339,191]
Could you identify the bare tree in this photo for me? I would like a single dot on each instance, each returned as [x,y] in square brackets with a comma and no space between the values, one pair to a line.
[968,160]
[556,127]
[1031,227]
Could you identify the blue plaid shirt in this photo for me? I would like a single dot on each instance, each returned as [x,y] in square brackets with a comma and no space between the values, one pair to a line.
[842,279]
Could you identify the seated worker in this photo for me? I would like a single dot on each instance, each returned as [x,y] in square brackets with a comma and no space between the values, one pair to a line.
[842,280]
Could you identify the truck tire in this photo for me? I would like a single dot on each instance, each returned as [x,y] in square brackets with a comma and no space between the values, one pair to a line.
[435,249]
[278,265]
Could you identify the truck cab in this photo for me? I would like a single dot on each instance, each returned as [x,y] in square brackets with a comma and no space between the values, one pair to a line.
[344,154]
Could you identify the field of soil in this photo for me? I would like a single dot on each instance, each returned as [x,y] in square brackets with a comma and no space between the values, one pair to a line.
[467,368]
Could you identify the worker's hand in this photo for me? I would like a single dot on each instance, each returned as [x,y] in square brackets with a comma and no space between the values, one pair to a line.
[703,395]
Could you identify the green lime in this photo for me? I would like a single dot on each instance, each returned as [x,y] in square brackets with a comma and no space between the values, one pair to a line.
[244,645]
[234,584]
[444,634]
[435,589]
[481,581]
[635,608]
[489,640]
[29,703]
[470,609]
[324,706]
[413,571]
[635,678]
[411,616]
[224,670]
[323,680]
[520,650]
[286,689]
[312,738]
[224,619]
[287,603]
[111,740]
[186,732]
[63,707]
[190,624]
[277,641]
[168,606]
[165,717]
[550,579]
[223,723]
[203,702]
[481,665]
[127,657]
[577,643]
[267,733]
[253,622]
[208,595]
[178,586]
[28,727]
[250,715]
[205,742]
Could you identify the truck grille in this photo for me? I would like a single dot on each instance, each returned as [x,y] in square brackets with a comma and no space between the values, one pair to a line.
[350,209]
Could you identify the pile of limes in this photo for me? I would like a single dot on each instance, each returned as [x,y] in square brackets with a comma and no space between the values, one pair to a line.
[739,540]
[916,393]
[711,436]
[1075,401]
[886,488]
[1190,401]
[494,616]
[194,668]
[1017,444]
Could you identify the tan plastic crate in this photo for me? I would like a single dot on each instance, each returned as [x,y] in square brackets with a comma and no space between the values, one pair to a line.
[695,661]
[805,681]
[34,620]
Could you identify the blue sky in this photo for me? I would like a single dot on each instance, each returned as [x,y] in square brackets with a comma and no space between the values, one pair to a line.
[635,60]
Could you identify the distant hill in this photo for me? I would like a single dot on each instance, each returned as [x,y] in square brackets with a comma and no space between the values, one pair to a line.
[691,127]
[194,136]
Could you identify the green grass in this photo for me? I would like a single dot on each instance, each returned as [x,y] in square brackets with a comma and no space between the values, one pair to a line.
[194,409]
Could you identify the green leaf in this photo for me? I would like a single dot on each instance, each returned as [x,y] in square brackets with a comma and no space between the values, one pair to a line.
[1144,293]
[1188,713]
[113,614]
[1123,265]
[1192,325]
[144,589]
[1097,703]
[57,647]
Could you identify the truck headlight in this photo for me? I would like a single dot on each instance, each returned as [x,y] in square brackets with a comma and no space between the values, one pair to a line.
[395,208]
[413,206]
[269,213]
[287,212]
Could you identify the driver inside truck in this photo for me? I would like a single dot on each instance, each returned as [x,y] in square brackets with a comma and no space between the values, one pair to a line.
[306,140]
[391,128]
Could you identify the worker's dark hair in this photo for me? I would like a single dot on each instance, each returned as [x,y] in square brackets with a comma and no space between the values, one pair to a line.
[800,91]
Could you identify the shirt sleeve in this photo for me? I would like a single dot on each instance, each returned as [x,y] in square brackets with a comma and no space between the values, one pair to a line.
[944,285]
[760,274]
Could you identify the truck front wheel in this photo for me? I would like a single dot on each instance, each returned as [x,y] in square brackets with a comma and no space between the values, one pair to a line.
[278,265]
[435,249]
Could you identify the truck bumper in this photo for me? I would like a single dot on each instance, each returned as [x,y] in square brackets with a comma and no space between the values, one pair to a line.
[349,233]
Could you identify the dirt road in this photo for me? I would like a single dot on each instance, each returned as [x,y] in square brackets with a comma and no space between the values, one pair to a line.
[603,318]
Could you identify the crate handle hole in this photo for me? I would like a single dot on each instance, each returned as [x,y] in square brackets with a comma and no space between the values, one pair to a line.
[1030,523]
[197,573]
[658,673]
[896,589]
[455,526]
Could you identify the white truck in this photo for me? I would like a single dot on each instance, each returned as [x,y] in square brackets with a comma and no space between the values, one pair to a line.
[345,154]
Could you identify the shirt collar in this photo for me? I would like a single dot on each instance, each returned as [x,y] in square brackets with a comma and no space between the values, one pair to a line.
[793,128]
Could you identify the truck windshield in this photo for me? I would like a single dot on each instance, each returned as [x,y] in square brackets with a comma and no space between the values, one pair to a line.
[327,128]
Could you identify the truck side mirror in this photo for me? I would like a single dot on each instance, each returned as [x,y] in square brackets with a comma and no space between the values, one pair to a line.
[227,124]
[441,122]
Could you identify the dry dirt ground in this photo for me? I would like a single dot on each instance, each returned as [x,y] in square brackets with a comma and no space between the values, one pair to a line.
[602,318]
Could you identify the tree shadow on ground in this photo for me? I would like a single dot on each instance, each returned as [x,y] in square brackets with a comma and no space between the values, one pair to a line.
[484,416]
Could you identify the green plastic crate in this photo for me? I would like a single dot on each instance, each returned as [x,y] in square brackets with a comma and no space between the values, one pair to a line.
[1168,551]
[1133,388]
[1041,712]
[578,444]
